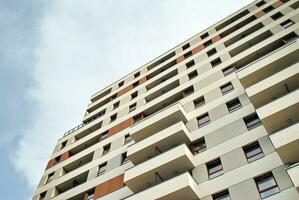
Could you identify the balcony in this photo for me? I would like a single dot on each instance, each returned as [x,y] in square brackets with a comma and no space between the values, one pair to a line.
[180,187]
[293,172]
[275,86]
[269,64]
[162,141]
[286,142]
[280,112]
[160,168]
[158,121]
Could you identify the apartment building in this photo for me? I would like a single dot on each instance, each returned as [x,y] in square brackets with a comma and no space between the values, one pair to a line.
[214,118]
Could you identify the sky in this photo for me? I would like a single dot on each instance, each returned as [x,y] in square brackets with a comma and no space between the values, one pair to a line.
[55,54]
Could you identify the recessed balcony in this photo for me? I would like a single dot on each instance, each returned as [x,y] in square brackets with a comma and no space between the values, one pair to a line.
[286,142]
[177,188]
[159,142]
[162,167]
[158,121]
[293,172]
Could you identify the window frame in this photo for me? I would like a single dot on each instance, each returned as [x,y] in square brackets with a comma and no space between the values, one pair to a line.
[249,124]
[225,91]
[102,166]
[267,189]
[231,107]
[224,70]
[192,75]
[196,149]
[201,117]
[198,102]
[217,172]
[220,195]
[250,149]
[106,149]
[190,64]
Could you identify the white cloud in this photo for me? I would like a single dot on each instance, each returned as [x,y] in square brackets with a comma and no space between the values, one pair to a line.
[86,45]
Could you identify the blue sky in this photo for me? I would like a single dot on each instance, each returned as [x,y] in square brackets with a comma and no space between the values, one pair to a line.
[55,54]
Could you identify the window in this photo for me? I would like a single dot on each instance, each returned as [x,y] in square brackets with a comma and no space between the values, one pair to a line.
[260,4]
[113,118]
[287,23]
[252,121]
[228,70]
[136,74]
[215,168]
[120,84]
[42,195]
[268,9]
[198,146]
[216,62]
[90,195]
[188,54]
[266,185]
[49,178]
[124,158]
[186,46]
[57,159]
[207,43]
[253,152]
[188,91]
[127,139]
[190,64]
[115,105]
[203,120]
[233,105]
[102,169]
[135,84]
[277,16]
[227,88]
[134,95]
[63,144]
[224,195]
[192,75]
[199,102]
[104,135]
[205,35]
[106,149]
[113,97]
[132,107]
[211,52]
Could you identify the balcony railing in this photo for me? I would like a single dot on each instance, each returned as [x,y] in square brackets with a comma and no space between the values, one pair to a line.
[73,129]
[265,56]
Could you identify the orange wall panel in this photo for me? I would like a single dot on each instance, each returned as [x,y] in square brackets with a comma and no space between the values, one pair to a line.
[125,90]
[142,80]
[121,126]
[198,49]
[109,186]
[216,38]
[277,4]
[51,163]
[65,156]
[260,14]
[180,59]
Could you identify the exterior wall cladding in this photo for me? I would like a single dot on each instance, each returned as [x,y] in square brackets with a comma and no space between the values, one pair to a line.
[213,118]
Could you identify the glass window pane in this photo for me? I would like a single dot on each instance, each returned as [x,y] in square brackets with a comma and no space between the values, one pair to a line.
[269,192]
[266,183]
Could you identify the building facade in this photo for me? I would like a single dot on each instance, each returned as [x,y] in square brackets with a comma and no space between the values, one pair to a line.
[216,117]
